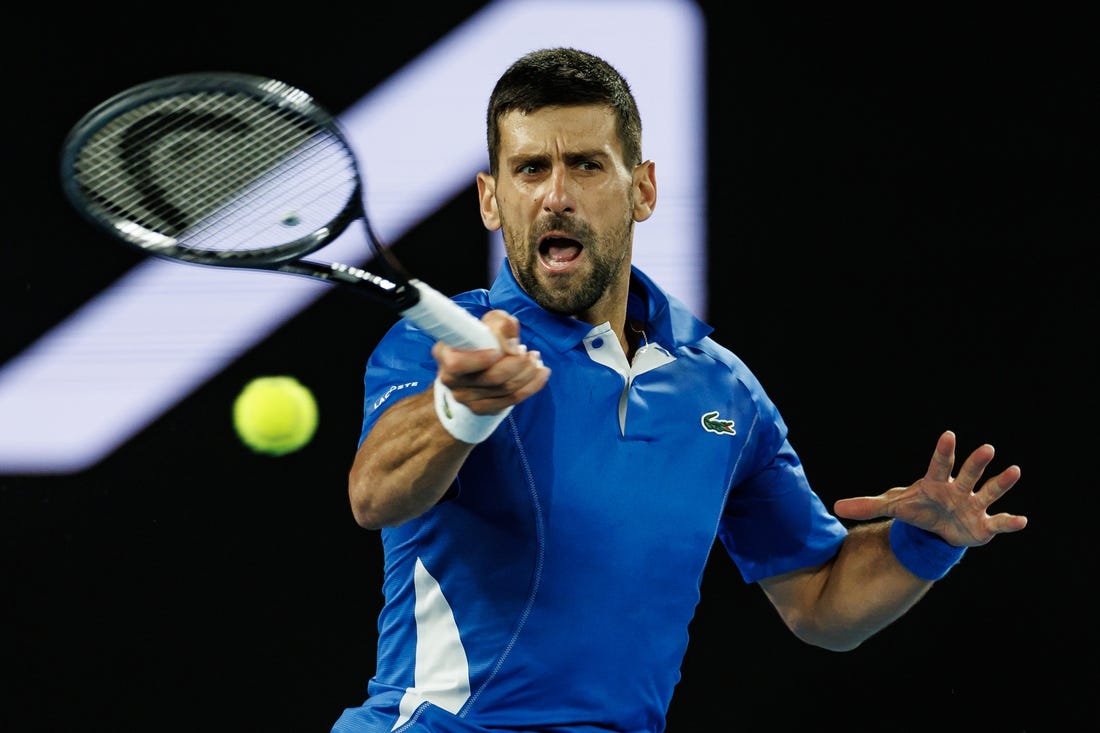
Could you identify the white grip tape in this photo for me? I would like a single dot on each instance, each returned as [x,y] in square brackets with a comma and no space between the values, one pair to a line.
[462,422]
[447,321]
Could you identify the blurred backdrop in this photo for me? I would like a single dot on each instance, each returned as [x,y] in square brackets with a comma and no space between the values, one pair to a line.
[884,212]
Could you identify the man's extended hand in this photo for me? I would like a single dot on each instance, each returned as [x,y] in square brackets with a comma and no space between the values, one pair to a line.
[952,507]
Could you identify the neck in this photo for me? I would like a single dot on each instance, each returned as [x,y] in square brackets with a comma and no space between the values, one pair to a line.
[634,337]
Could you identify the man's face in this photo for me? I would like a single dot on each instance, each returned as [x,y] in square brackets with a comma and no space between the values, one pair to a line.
[566,203]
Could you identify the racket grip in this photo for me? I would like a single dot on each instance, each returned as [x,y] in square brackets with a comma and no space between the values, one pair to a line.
[447,321]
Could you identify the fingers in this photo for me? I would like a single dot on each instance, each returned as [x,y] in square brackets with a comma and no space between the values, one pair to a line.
[463,361]
[943,462]
[860,507]
[506,328]
[943,458]
[510,380]
[459,362]
[486,380]
[973,467]
[1003,523]
[487,369]
[530,380]
[953,507]
[997,486]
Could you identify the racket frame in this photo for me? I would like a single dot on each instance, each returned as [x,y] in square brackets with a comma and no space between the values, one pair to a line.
[396,289]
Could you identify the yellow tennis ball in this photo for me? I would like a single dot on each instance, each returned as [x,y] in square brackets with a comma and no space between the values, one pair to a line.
[275,415]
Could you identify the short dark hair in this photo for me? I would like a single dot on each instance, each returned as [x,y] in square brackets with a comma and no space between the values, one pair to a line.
[564,77]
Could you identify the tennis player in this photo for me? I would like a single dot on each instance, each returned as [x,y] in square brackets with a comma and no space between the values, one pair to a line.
[546,512]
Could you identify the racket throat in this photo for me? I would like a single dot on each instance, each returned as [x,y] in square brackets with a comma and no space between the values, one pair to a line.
[383,290]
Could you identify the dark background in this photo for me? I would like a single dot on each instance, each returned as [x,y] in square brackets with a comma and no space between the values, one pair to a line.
[901,241]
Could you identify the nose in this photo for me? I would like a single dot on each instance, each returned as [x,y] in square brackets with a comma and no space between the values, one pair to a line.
[558,196]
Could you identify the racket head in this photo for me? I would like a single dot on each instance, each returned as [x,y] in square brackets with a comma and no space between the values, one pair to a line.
[216,168]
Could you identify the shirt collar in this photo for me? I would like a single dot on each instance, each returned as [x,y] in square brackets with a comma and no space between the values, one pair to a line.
[667,320]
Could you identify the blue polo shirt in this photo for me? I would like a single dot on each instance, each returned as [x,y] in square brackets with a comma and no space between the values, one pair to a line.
[552,590]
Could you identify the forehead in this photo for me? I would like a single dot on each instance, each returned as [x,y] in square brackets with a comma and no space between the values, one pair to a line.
[580,127]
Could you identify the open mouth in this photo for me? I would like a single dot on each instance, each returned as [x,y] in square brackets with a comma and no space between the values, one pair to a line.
[557,253]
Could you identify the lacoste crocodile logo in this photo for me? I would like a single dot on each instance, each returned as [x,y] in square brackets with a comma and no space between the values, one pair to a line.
[712,424]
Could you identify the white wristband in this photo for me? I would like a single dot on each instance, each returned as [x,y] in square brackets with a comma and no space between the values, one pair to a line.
[462,422]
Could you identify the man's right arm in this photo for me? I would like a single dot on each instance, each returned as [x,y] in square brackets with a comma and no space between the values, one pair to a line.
[404,465]
[408,460]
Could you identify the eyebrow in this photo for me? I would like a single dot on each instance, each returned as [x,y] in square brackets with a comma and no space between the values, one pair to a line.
[571,157]
[580,155]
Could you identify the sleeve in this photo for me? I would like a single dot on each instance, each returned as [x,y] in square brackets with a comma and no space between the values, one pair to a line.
[773,521]
[400,366]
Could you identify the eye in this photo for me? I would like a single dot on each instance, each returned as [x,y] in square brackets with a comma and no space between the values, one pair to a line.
[530,168]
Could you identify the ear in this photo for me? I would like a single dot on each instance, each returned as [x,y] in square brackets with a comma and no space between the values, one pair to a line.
[645,190]
[487,196]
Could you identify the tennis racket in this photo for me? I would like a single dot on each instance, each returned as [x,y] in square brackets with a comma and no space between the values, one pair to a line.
[234,170]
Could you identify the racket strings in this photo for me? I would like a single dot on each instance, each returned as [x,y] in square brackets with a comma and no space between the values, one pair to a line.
[140,151]
[315,166]
[216,172]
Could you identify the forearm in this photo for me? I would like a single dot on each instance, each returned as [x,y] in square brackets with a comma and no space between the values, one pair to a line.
[847,600]
[405,465]
[866,589]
